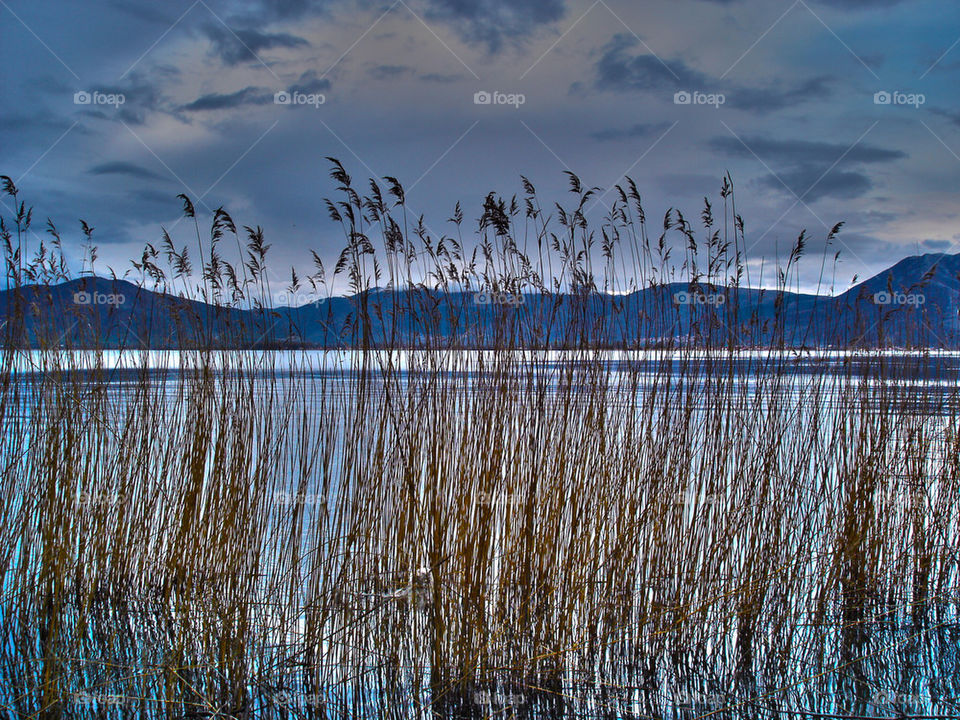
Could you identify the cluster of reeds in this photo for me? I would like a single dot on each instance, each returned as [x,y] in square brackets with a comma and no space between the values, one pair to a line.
[465,519]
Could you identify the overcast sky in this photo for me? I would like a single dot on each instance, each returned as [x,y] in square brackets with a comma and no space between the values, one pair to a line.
[782,94]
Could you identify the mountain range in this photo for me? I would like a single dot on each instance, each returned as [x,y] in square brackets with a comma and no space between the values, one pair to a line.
[914,303]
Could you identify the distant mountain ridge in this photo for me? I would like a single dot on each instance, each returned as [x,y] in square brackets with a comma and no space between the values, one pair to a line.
[914,303]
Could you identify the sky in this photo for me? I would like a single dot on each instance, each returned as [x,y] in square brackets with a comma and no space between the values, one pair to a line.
[822,111]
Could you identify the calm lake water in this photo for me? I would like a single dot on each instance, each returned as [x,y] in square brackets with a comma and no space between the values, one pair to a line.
[888,661]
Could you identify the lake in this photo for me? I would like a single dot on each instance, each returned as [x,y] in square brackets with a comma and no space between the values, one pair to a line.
[472,534]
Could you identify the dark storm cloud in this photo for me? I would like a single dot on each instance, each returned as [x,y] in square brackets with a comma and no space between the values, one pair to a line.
[244,45]
[802,151]
[638,130]
[288,9]
[310,83]
[809,169]
[778,97]
[618,69]
[813,182]
[226,101]
[491,22]
[124,168]
[484,22]
[487,21]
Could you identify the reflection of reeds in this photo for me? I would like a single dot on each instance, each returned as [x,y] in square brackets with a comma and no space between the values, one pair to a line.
[439,524]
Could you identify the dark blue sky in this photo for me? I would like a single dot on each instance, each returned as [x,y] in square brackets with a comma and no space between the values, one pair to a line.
[783,94]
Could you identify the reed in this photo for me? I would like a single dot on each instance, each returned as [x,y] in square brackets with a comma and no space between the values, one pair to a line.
[436,516]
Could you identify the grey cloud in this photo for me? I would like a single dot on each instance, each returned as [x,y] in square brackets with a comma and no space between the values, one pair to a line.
[807,167]
[810,183]
[309,83]
[218,101]
[802,151]
[777,97]
[617,69]
[485,22]
[620,69]
[124,168]
[268,10]
[289,8]
[244,45]
[637,130]
[491,22]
